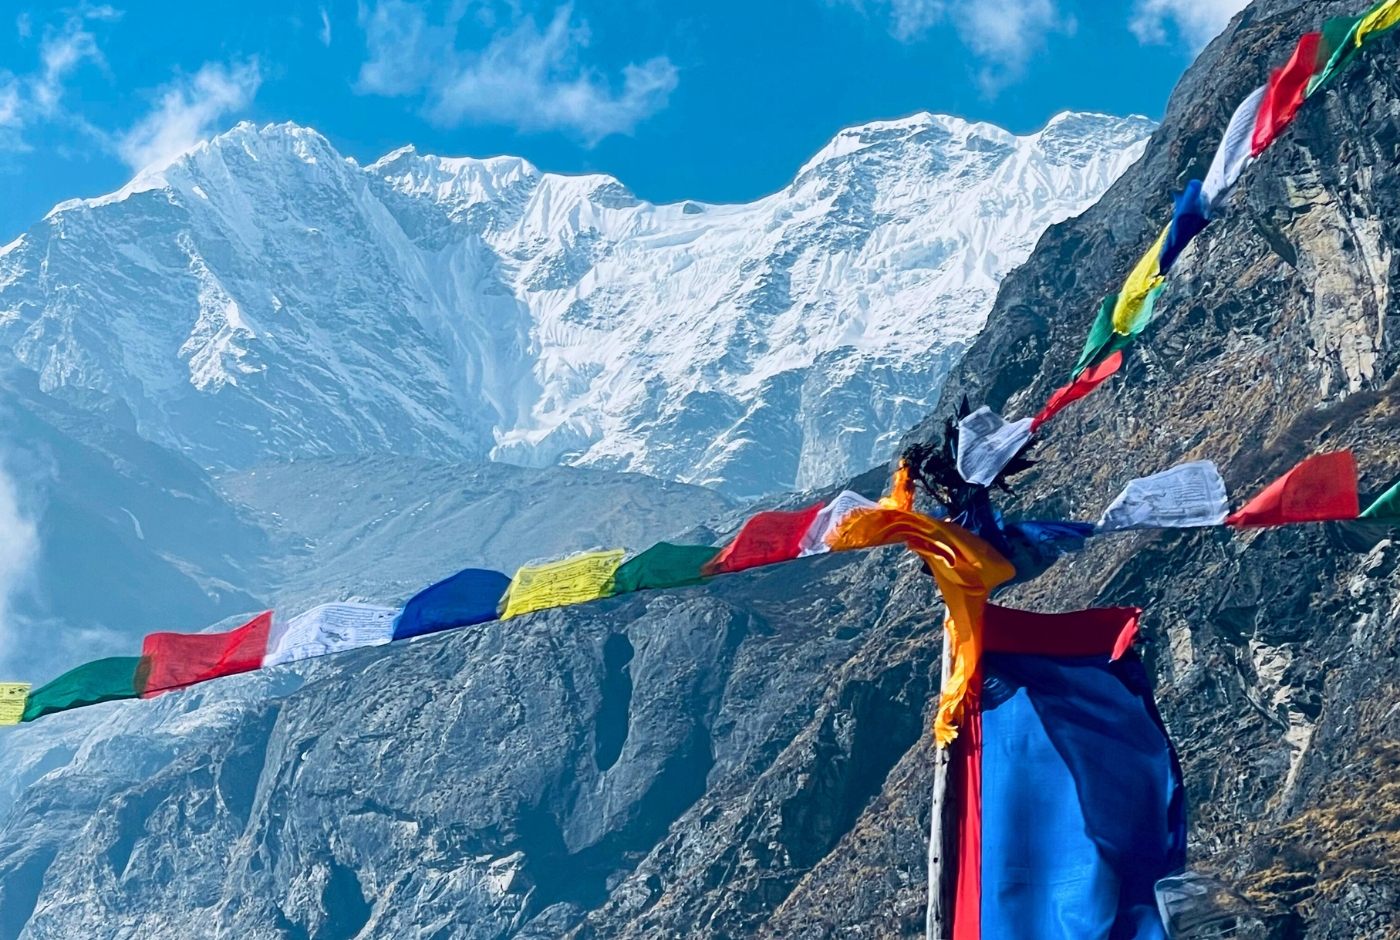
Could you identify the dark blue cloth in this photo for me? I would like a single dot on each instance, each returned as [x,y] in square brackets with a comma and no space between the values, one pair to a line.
[1190,215]
[467,597]
[1082,800]
[1035,545]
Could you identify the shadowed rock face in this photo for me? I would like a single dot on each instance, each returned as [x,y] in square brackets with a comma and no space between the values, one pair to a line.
[771,776]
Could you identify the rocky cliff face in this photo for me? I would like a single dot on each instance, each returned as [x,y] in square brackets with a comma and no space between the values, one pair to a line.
[749,758]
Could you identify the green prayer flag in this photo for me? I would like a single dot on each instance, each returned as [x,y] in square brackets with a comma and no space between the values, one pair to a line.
[1339,43]
[1386,507]
[662,566]
[1102,341]
[104,680]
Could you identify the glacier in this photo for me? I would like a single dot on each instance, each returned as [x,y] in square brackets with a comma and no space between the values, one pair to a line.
[262,297]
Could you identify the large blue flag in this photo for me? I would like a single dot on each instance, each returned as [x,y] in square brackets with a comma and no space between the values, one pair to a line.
[468,597]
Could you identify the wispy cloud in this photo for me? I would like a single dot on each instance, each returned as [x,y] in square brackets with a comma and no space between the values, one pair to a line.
[19,546]
[325,34]
[524,77]
[36,97]
[1196,22]
[189,110]
[1002,34]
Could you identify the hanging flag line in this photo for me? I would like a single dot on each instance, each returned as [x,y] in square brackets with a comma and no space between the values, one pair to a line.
[1320,488]
[1258,121]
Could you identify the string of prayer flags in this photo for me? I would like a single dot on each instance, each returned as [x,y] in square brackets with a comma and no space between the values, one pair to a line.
[1386,507]
[1051,830]
[470,596]
[986,444]
[1233,154]
[330,628]
[1084,383]
[172,661]
[1133,309]
[13,696]
[966,569]
[573,580]
[1287,88]
[664,565]
[817,538]
[1187,495]
[1190,214]
[104,680]
[1102,341]
[767,538]
[1321,488]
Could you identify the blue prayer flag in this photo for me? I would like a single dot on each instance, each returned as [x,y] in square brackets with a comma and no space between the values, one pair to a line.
[468,597]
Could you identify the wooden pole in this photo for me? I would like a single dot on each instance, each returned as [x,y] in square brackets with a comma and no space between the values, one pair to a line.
[939,922]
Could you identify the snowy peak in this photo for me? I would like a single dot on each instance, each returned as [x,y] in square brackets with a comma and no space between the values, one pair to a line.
[262,296]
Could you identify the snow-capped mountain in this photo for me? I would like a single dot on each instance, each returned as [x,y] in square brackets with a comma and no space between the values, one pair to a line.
[263,296]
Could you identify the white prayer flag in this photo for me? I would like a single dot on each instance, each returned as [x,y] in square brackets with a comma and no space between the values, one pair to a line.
[1189,494]
[330,628]
[829,519]
[1232,156]
[986,444]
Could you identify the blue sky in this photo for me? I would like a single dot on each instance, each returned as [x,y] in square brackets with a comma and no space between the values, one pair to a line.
[716,100]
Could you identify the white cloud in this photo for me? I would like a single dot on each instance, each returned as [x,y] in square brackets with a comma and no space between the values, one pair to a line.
[189,111]
[9,101]
[63,50]
[19,546]
[524,77]
[325,28]
[1002,34]
[1197,22]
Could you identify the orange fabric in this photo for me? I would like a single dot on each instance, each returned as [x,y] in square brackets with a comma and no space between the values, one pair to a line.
[966,569]
[901,490]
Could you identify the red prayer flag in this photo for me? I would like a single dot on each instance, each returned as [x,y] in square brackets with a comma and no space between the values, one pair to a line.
[1093,632]
[1084,383]
[1288,87]
[1319,489]
[767,538]
[175,660]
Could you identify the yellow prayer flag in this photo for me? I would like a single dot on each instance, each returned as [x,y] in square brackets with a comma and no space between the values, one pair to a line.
[1383,16]
[1128,312]
[574,580]
[13,697]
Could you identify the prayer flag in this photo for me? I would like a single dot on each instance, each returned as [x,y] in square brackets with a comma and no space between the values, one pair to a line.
[469,596]
[1102,341]
[1086,382]
[1233,154]
[1382,17]
[986,444]
[767,538]
[663,566]
[1386,507]
[1287,88]
[172,661]
[1032,547]
[1321,488]
[12,698]
[816,539]
[1189,494]
[901,489]
[1068,794]
[103,680]
[573,580]
[1140,289]
[966,569]
[1189,215]
[1336,49]
[330,628]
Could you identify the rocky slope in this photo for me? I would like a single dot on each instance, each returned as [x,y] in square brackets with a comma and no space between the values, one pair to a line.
[748,758]
[263,297]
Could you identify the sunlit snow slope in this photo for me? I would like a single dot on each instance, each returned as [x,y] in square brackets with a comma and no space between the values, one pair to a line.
[262,296]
